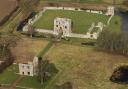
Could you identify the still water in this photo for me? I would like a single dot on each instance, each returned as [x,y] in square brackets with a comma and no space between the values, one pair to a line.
[124,20]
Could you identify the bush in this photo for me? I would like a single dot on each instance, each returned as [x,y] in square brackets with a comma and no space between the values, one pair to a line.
[120,75]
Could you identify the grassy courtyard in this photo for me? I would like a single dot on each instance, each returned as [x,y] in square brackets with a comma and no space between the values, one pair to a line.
[84,67]
[81,20]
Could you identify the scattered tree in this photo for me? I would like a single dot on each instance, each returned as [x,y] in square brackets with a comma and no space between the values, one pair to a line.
[6,42]
[46,70]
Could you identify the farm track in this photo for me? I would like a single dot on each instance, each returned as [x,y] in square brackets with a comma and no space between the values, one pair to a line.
[16,82]
[77,5]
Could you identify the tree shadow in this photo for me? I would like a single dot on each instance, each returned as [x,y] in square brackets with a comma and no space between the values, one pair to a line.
[47,71]
[66,85]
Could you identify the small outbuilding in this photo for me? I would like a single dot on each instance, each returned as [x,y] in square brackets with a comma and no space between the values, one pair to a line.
[29,68]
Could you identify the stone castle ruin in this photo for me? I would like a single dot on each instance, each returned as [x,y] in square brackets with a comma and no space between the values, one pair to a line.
[110,11]
[62,26]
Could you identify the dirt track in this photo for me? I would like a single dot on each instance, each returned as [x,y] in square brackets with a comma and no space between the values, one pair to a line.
[6,7]
[77,5]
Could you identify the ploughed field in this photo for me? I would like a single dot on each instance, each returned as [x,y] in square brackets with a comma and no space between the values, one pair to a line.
[27,47]
[6,7]
[82,20]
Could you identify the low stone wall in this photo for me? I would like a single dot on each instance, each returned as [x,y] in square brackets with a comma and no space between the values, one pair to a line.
[88,35]
[73,9]
[45,31]
[108,22]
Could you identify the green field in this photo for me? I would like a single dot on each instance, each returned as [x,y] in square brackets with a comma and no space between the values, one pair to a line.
[9,75]
[81,20]
[115,24]
[30,82]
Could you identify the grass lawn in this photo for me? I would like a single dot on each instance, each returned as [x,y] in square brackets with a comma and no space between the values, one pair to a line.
[9,76]
[84,67]
[30,82]
[115,24]
[81,20]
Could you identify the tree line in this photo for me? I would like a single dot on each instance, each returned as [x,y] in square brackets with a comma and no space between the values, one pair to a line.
[113,42]
[6,56]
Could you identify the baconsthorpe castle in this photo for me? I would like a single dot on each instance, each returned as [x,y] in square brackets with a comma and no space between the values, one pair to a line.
[62,26]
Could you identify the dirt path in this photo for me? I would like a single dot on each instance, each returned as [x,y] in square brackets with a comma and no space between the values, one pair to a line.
[19,78]
[93,6]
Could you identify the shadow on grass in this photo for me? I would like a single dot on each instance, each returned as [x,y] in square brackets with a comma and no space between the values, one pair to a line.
[66,85]
[46,72]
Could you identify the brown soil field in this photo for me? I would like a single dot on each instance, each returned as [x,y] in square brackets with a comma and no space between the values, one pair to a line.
[94,6]
[26,49]
[6,7]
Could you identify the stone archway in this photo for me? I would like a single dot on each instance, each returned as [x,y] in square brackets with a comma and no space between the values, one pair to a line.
[60,32]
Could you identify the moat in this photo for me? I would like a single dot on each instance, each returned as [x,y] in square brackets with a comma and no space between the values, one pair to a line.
[124,18]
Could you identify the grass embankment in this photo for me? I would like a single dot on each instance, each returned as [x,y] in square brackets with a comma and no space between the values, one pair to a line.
[87,1]
[82,21]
